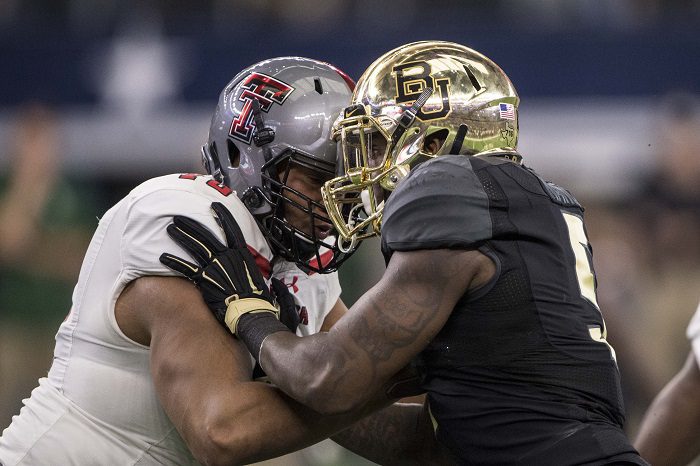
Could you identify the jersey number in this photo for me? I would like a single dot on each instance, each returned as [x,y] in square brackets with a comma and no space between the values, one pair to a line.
[581,249]
[222,188]
[584,272]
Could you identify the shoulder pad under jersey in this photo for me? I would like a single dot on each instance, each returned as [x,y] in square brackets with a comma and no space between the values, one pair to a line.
[441,204]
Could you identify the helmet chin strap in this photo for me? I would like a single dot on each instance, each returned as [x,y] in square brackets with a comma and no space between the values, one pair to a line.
[211,162]
[263,135]
[307,249]
[364,195]
[409,115]
[459,139]
[347,246]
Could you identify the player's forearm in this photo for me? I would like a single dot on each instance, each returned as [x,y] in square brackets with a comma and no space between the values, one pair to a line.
[399,434]
[314,371]
[259,423]
[668,434]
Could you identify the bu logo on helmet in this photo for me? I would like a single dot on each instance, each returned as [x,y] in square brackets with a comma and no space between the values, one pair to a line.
[267,91]
[412,78]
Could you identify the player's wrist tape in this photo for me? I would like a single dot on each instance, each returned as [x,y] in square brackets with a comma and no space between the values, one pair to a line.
[254,328]
[239,307]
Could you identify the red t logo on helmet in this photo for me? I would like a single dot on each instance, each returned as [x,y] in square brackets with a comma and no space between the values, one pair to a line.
[267,91]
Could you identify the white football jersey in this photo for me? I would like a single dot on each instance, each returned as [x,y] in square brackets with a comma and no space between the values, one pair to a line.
[693,333]
[98,405]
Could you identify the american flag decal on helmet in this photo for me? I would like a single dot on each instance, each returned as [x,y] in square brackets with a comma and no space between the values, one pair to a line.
[507,111]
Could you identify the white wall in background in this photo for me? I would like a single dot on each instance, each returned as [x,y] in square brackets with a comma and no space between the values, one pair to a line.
[596,147]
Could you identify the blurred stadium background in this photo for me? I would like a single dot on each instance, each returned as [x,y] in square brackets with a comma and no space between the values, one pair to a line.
[99,95]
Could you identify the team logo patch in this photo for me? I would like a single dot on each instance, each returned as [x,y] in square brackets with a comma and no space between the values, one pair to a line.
[268,91]
[412,79]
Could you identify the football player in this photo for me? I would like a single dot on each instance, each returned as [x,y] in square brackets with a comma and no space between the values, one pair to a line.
[142,373]
[668,434]
[489,289]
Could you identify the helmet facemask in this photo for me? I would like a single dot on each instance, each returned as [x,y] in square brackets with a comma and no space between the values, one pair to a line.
[296,225]
[377,153]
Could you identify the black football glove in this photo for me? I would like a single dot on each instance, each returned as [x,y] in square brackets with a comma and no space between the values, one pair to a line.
[288,316]
[227,276]
[286,304]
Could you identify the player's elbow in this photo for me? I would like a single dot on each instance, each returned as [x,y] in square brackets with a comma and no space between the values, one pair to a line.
[214,450]
[327,397]
[335,405]
[223,443]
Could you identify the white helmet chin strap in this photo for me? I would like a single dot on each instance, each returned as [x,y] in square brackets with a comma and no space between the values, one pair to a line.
[350,245]
[366,204]
[347,246]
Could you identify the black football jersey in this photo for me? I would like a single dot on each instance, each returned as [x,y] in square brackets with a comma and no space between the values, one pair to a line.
[521,372]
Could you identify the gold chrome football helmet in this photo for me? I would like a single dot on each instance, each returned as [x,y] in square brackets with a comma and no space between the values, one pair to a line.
[418,101]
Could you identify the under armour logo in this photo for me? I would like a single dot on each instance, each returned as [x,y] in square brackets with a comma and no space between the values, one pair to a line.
[293,285]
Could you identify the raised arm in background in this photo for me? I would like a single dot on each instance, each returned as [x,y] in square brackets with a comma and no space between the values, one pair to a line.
[668,434]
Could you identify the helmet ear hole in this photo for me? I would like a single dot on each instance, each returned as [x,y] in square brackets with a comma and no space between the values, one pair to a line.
[234,154]
[434,142]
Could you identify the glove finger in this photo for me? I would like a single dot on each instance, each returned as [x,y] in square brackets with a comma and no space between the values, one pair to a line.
[236,240]
[282,294]
[287,306]
[278,287]
[234,235]
[180,265]
[250,279]
[222,275]
[195,238]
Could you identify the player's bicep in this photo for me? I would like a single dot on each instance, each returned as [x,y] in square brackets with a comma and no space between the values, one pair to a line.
[194,361]
[202,376]
[420,288]
[399,316]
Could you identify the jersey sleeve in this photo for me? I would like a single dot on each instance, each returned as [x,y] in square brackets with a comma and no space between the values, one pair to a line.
[145,237]
[693,333]
[333,291]
[324,291]
[441,204]
[315,294]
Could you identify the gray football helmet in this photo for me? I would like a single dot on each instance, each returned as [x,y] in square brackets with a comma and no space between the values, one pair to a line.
[275,115]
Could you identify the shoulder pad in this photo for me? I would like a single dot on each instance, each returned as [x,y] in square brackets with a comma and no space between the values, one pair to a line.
[441,204]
